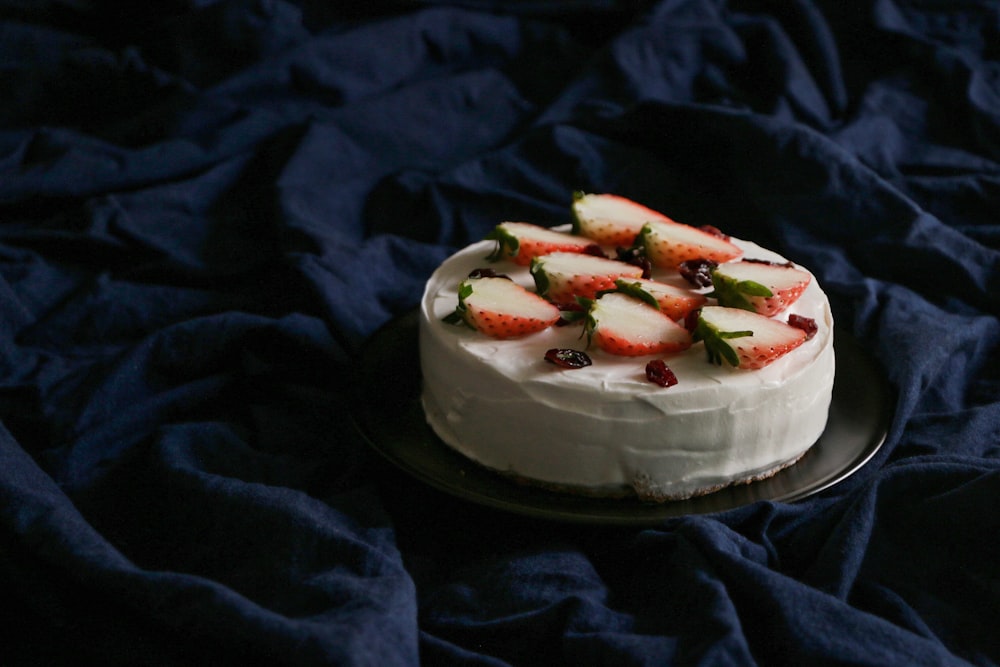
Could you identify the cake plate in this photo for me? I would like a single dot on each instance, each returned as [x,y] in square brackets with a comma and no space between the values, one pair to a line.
[388,414]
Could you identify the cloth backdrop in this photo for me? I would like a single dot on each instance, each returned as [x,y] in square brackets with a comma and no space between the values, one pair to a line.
[208,206]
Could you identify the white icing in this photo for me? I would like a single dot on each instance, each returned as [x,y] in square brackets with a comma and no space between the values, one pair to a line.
[605,427]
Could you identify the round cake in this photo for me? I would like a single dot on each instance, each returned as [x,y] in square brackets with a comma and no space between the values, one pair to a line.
[606,429]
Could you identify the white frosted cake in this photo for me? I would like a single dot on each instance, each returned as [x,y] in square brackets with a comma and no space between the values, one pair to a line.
[605,429]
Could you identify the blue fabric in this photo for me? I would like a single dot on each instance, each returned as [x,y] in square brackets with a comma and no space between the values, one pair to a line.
[207,207]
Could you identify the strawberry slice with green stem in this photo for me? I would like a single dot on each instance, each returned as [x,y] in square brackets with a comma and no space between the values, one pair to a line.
[520,242]
[675,302]
[610,220]
[668,244]
[744,339]
[561,277]
[624,325]
[500,308]
[762,287]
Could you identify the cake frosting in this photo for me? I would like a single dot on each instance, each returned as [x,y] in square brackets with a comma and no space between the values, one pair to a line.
[604,429]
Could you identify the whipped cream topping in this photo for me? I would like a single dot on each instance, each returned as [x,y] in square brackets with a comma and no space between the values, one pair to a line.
[604,428]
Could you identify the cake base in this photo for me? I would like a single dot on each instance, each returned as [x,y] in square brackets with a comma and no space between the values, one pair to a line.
[417,461]
[641,489]
[641,486]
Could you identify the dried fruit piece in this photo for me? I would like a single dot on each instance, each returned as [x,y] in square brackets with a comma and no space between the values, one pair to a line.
[487,273]
[659,373]
[565,357]
[714,231]
[636,256]
[762,287]
[501,308]
[610,220]
[807,324]
[697,272]
[561,277]
[743,338]
[520,242]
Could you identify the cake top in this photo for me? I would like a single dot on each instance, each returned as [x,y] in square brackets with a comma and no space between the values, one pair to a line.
[633,292]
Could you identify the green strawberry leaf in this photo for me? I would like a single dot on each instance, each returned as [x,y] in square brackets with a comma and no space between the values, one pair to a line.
[640,243]
[507,244]
[634,289]
[585,314]
[733,294]
[454,317]
[538,273]
[577,196]
[715,343]
[457,316]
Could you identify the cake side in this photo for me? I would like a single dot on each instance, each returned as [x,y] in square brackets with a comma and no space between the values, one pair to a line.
[604,428]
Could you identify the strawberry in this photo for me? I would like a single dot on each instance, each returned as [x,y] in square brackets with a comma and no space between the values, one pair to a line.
[744,339]
[623,325]
[562,276]
[521,242]
[668,244]
[675,302]
[500,308]
[609,219]
[758,286]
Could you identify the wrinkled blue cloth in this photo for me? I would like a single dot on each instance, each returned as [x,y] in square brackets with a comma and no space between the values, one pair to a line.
[207,207]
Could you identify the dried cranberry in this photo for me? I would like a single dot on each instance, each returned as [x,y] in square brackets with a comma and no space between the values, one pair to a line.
[565,357]
[807,324]
[691,319]
[714,231]
[754,260]
[659,373]
[636,256]
[698,272]
[487,273]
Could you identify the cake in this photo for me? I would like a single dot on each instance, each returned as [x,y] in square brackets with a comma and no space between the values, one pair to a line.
[684,413]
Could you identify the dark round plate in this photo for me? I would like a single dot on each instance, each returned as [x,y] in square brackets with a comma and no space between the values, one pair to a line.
[389,416]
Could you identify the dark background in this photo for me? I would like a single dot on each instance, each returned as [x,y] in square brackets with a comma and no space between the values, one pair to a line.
[207,207]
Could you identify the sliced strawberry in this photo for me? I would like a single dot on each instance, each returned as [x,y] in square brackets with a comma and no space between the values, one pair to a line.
[667,244]
[609,219]
[562,276]
[501,308]
[623,325]
[675,302]
[744,339]
[521,242]
[758,286]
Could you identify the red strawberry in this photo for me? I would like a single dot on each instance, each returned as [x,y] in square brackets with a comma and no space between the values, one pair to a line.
[609,219]
[623,325]
[667,244]
[675,302]
[521,242]
[501,308]
[758,286]
[562,276]
[743,338]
